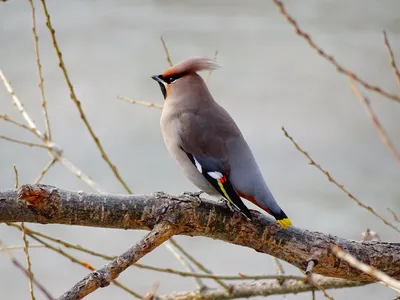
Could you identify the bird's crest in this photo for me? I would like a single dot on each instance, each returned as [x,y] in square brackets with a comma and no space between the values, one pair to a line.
[191,65]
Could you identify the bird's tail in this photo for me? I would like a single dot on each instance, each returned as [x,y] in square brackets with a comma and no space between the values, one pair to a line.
[285,222]
[282,219]
[277,212]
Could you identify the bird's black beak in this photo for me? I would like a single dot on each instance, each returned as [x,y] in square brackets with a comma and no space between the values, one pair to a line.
[160,81]
[157,78]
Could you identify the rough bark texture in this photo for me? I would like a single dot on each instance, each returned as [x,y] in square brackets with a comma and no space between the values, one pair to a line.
[46,204]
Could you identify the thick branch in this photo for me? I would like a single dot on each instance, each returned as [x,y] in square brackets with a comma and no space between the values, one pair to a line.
[46,204]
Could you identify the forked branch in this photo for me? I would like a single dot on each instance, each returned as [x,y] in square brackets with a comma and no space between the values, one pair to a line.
[103,277]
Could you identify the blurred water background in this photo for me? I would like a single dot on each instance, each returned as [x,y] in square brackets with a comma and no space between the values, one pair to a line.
[270,77]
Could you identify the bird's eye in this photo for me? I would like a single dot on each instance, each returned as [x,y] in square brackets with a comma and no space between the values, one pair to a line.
[171,79]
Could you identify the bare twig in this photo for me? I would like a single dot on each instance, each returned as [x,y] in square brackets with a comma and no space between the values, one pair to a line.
[375,121]
[279,271]
[395,217]
[55,152]
[45,169]
[16,185]
[12,121]
[196,262]
[10,248]
[144,103]
[26,244]
[23,142]
[340,186]
[18,104]
[28,261]
[78,102]
[185,264]
[310,278]
[103,276]
[385,279]
[278,267]
[26,272]
[70,257]
[392,60]
[262,288]
[318,286]
[78,173]
[330,58]
[40,75]
[152,292]
[168,57]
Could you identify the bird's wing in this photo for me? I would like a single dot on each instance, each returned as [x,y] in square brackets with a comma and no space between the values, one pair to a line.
[204,141]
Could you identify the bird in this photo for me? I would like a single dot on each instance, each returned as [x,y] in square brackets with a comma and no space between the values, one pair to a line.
[206,142]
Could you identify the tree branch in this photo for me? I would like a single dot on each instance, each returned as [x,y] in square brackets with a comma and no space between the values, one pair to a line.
[102,277]
[261,288]
[47,204]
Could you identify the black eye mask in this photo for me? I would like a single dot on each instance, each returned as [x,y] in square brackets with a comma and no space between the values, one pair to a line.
[171,79]
[168,80]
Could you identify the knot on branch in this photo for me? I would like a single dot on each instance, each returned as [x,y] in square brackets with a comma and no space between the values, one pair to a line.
[44,200]
[176,211]
[103,277]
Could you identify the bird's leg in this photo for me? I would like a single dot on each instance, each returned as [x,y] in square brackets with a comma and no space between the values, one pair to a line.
[232,207]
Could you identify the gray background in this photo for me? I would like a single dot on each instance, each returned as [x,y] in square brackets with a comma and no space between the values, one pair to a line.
[270,77]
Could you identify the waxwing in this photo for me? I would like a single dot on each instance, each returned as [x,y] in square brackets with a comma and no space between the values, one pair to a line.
[203,138]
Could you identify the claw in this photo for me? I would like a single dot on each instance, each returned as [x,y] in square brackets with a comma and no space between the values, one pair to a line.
[195,195]
[160,195]
[227,204]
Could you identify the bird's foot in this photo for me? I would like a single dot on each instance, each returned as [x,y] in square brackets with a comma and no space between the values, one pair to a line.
[233,208]
[228,204]
[195,195]
[160,195]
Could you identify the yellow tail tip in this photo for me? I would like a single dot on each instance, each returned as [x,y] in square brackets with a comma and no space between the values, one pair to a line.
[284,222]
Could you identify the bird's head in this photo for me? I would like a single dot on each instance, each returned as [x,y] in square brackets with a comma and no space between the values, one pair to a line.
[173,78]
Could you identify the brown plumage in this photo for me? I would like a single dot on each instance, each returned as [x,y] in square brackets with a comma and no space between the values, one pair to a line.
[206,142]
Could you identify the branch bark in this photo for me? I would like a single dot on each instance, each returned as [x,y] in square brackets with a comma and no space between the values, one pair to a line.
[47,204]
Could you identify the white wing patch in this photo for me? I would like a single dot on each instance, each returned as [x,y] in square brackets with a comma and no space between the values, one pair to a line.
[215,175]
[198,165]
